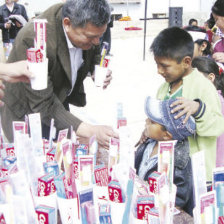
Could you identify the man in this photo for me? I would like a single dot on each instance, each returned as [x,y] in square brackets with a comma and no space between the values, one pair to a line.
[193,22]
[73,32]
[10,27]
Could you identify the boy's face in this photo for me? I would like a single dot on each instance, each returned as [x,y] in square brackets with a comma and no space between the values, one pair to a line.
[171,70]
[155,131]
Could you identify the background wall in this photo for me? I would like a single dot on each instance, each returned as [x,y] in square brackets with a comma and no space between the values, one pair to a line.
[199,9]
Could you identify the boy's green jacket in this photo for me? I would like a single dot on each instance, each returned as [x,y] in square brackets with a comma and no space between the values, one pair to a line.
[211,124]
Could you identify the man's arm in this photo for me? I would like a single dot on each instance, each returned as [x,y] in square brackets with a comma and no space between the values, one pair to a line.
[48,104]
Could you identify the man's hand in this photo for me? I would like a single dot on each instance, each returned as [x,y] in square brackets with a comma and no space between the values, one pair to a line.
[15,72]
[103,133]
[7,25]
[188,107]
[19,25]
[108,79]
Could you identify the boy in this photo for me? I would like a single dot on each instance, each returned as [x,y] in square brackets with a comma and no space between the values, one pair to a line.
[173,51]
[162,126]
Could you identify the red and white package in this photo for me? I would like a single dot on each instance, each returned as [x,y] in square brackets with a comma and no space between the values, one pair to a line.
[115,192]
[153,182]
[41,34]
[34,55]
[62,134]
[19,126]
[86,164]
[46,185]
[221,220]
[2,218]
[101,176]
[106,62]
[10,150]
[50,156]
[144,204]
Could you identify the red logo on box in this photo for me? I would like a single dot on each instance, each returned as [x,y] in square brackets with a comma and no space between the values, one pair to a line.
[46,185]
[10,151]
[34,55]
[153,180]
[42,217]
[115,194]
[143,211]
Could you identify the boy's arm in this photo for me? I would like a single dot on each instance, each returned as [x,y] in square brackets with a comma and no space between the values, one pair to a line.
[211,122]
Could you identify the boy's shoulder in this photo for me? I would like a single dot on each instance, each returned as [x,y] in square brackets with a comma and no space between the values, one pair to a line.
[195,74]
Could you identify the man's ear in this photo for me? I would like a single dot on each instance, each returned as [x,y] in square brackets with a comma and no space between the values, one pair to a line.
[66,23]
[187,61]
[167,136]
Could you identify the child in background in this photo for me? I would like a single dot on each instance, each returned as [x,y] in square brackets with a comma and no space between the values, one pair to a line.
[214,73]
[162,126]
[202,48]
[173,51]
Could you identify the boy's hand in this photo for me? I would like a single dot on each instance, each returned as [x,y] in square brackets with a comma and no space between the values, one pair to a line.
[188,107]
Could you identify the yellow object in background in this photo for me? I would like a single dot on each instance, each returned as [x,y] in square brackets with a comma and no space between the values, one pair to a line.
[125,18]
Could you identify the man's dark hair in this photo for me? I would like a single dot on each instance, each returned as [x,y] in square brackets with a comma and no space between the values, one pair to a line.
[191,21]
[81,12]
[174,43]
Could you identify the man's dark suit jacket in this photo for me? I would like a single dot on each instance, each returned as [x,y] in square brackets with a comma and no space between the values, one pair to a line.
[20,99]
[11,33]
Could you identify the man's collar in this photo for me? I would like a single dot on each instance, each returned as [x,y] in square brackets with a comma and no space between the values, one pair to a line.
[69,43]
[11,6]
[6,7]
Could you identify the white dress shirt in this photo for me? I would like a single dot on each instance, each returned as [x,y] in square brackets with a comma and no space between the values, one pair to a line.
[75,59]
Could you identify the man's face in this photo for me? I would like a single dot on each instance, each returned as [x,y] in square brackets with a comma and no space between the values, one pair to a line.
[84,37]
[8,2]
[194,23]
[170,69]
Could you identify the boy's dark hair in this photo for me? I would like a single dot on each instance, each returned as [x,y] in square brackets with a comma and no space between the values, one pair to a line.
[174,43]
[207,50]
[191,21]
[208,65]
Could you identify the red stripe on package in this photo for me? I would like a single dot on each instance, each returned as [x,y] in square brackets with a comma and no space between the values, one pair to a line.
[41,34]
